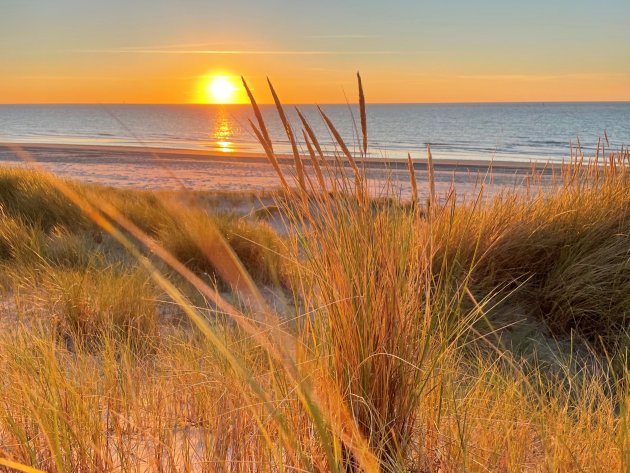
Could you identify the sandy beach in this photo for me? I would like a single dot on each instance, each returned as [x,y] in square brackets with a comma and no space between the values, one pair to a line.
[160,168]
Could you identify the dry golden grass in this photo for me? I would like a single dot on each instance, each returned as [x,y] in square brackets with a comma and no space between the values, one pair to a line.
[437,336]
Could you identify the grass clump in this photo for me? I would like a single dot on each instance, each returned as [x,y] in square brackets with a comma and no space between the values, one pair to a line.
[38,224]
[563,255]
[194,240]
[88,307]
[62,248]
[18,241]
[37,201]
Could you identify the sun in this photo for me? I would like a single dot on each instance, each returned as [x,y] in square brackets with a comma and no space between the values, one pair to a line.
[221,89]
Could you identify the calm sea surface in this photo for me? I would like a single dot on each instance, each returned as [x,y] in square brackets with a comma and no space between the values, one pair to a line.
[521,132]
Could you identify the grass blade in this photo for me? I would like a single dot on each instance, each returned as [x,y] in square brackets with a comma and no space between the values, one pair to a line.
[363,116]
[289,131]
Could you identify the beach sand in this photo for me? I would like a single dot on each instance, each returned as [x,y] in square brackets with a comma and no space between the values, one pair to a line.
[151,168]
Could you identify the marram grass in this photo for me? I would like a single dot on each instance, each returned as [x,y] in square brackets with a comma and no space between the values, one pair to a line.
[143,334]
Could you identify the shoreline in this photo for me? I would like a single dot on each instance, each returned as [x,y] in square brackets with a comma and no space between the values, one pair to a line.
[168,168]
[526,163]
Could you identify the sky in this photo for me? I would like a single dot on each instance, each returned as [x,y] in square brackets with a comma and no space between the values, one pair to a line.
[169,51]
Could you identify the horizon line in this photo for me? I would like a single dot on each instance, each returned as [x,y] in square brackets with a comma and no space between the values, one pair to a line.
[485,102]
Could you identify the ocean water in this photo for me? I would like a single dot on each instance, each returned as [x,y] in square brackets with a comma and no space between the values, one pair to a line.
[517,132]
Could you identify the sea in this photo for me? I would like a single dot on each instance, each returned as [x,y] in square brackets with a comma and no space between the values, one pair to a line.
[503,132]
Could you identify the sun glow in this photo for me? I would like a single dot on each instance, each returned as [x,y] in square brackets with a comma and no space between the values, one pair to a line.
[220,90]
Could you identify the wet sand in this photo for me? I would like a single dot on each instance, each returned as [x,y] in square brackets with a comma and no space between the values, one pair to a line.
[164,168]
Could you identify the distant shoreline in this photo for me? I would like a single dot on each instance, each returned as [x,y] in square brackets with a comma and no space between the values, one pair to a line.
[168,168]
[204,155]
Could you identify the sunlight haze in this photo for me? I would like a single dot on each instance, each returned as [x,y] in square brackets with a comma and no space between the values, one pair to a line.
[70,51]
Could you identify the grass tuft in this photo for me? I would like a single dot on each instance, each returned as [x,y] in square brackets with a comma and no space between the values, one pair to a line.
[90,307]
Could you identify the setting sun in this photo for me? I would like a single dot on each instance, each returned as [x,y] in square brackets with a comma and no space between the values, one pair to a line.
[220,90]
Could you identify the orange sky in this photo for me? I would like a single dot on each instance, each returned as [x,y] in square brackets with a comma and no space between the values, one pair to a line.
[69,52]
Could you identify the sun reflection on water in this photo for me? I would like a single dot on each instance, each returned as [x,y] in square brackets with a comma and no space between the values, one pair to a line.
[225,146]
[223,132]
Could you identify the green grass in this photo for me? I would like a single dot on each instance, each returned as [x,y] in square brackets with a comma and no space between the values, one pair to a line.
[403,335]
